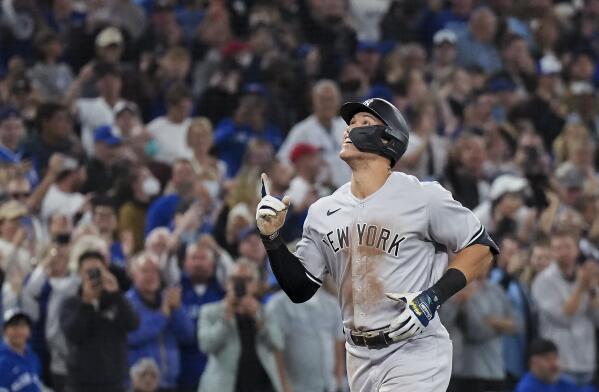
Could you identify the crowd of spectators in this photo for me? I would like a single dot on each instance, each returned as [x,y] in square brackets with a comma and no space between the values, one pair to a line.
[133,134]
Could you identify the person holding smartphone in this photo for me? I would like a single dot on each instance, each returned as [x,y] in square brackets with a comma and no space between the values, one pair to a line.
[95,323]
[239,338]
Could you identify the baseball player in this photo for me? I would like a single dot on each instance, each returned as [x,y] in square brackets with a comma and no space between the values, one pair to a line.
[384,238]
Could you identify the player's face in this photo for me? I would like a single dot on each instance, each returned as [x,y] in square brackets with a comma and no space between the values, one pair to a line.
[348,150]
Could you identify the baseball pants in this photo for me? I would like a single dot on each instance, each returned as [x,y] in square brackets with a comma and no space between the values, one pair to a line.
[419,365]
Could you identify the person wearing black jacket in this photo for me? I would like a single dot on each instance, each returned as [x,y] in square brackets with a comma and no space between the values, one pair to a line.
[96,322]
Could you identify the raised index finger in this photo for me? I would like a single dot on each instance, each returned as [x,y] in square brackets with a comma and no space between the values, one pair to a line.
[265,184]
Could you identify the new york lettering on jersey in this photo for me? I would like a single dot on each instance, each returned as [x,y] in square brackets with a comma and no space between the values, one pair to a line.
[369,235]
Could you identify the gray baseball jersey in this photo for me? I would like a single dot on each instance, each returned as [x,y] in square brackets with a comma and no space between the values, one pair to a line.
[395,240]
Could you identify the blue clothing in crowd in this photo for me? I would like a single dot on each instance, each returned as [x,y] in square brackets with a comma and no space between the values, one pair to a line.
[19,372]
[475,53]
[193,361]
[231,140]
[162,212]
[159,337]
[530,383]
[515,345]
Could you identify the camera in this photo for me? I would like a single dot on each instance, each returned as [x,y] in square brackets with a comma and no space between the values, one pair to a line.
[95,276]
[62,239]
[239,287]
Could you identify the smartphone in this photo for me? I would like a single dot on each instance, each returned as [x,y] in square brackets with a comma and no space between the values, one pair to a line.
[62,239]
[239,286]
[95,276]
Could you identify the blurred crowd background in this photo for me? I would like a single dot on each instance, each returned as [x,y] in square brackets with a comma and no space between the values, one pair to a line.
[133,134]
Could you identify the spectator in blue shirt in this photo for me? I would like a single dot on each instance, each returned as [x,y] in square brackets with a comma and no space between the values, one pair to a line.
[544,374]
[476,46]
[162,210]
[164,325]
[232,135]
[19,366]
[199,286]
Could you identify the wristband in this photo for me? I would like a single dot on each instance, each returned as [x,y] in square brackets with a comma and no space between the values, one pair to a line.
[272,241]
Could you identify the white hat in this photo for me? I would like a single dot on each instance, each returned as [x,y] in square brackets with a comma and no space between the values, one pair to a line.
[507,183]
[549,64]
[445,35]
[109,36]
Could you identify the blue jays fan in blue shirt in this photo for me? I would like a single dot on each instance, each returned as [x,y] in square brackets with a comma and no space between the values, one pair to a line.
[19,365]
[544,374]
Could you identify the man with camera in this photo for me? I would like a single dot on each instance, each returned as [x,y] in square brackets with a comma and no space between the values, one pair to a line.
[96,322]
[239,338]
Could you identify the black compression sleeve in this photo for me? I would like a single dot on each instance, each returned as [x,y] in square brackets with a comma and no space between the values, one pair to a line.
[450,283]
[289,271]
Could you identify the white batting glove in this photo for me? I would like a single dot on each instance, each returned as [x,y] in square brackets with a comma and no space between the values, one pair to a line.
[271,212]
[418,311]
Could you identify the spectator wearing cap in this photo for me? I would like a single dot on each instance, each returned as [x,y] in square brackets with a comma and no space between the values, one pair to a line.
[101,167]
[304,187]
[162,31]
[110,45]
[20,366]
[145,376]
[323,129]
[249,249]
[170,131]
[505,94]
[583,107]
[571,180]
[54,135]
[44,292]
[199,286]
[12,131]
[368,57]
[164,323]
[544,108]
[444,60]
[568,312]
[64,195]
[95,322]
[50,76]
[99,110]
[505,212]
[544,373]
[250,121]
[476,46]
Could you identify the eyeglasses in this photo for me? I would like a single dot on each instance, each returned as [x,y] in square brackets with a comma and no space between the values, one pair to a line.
[19,195]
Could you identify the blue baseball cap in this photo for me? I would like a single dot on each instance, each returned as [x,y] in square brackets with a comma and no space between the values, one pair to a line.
[7,112]
[501,84]
[368,46]
[104,134]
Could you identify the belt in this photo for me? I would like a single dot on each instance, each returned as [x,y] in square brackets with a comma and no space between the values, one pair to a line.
[371,339]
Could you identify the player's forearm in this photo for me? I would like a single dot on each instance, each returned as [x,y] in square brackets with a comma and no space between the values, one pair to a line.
[289,271]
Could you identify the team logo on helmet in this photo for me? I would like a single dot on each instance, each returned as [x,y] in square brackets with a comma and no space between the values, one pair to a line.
[368,101]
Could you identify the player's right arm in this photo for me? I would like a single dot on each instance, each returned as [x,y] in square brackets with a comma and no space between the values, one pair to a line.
[295,280]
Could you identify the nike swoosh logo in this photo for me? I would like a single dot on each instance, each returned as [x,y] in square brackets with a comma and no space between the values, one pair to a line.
[329,212]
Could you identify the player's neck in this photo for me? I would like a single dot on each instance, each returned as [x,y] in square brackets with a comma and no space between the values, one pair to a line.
[368,179]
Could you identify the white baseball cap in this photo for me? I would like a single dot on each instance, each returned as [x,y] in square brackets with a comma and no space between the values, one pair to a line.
[445,35]
[549,64]
[507,183]
[109,36]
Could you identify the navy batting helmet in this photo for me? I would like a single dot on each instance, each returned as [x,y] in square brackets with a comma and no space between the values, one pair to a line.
[390,140]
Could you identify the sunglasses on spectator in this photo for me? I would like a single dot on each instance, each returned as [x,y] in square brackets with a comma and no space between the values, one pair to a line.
[19,195]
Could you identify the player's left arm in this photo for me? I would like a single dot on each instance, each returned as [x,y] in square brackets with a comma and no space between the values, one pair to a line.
[474,251]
